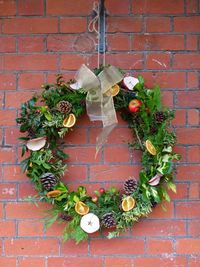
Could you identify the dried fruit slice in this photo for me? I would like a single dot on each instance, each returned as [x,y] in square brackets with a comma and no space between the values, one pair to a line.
[36,143]
[150,147]
[113,91]
[90,223]
[128,203]
[54,193]
[130,82]
[69,121]
[155,180]
[81,208]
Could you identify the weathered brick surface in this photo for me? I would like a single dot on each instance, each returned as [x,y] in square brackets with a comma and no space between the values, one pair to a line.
[158,39]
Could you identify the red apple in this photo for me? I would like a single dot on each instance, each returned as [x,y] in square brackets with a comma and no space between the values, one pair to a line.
[102,190]
[134,105]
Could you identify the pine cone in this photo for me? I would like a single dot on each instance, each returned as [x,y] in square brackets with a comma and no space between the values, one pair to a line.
[108,220]
[64,106]
[159,116]
[153,130]
[66,217]
[48,181]
[130,186]
[31,133]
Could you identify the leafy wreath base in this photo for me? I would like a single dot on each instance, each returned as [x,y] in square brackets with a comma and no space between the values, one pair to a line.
[40,117]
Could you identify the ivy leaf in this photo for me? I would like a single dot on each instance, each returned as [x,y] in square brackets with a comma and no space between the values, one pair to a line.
[171,186]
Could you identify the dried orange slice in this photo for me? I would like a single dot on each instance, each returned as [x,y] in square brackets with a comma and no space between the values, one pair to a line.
[69,121]
[128,203]
[81,208]
[150,147]
[113,91]
[53,193]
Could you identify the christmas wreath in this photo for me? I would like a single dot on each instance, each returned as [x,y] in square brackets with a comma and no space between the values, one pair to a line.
[47,118]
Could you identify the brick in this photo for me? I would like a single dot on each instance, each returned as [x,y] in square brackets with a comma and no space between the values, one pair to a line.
[31,8]
[30,25]
[118,42]
[31,62]
[117,7]
[184,135]
[7,81]
[130,61]
[116,154]
[180,118]
[82,154]
[61,43]
[71,62]
[158,211]
[25,190]
[112,172]
[118,262]
[194,154]
[157,246]
[29,246]
[188,99]
[187,61]
[192,6]
[127,24]
[167,99]
[15,100]
[75,173]
[74,262]
[76,136]
[8,191]
[7,229]
[157,7]
[193,116]
[187,24]
[30,80]
[7,44]
[158,42]
[194,228]
[158,61]
[192,42]
[188,246]
[194,261]
[19,210]
[30,228]
[158,24]
[14,173]
[7,155]
[187,210]
[7,8]
[31,44]
[182,192]
[1,210]
[7,261]
[166,80]
[194,191]
[177,261]
[73,25]
[70,7]
[188,172]
[97,247]
[31,262]
[70,248]
[193,80]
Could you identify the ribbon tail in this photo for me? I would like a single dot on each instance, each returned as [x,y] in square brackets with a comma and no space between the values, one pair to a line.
[102,137]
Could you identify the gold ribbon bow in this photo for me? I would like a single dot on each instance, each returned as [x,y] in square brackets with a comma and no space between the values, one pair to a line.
[100,106]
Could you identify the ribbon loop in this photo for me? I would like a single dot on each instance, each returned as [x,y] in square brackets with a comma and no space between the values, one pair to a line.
[99,105]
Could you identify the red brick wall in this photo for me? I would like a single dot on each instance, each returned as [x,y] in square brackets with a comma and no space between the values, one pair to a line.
[158,39]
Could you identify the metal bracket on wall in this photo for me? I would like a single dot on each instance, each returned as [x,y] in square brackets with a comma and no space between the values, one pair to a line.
[102,27]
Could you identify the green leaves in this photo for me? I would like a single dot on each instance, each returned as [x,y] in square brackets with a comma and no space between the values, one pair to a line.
[40,116]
